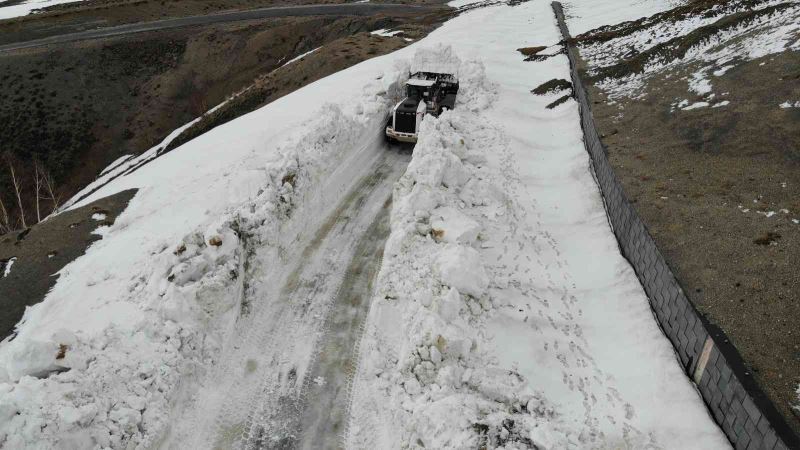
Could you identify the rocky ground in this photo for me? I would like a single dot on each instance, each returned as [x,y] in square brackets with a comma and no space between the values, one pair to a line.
[714,174]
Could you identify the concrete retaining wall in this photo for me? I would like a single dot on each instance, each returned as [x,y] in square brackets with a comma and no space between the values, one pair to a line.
[734,399]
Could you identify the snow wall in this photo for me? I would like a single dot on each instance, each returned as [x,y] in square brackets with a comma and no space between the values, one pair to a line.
[743,411]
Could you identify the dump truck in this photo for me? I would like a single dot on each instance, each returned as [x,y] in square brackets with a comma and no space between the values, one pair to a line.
[426,93]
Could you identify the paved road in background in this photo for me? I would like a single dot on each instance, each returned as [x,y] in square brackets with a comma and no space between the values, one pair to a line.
[350,9]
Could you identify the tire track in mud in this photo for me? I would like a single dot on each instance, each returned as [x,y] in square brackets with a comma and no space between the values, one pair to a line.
[303,400]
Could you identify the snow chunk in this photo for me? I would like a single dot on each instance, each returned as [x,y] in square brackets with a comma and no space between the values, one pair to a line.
[451,225]
[98,217]
[461,267]
[301,56]
[438,59]
[700,84]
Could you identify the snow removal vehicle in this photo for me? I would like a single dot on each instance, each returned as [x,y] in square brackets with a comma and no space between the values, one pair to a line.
[431,88]
[426,93]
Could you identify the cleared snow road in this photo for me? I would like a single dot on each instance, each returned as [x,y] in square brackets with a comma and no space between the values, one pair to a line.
[298,352]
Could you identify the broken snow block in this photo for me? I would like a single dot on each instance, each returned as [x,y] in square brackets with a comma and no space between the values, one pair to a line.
[460,267]
[451,225]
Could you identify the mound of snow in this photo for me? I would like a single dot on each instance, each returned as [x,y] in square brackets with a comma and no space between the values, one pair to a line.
[439,59]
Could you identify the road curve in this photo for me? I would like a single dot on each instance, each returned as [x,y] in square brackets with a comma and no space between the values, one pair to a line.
[352,9]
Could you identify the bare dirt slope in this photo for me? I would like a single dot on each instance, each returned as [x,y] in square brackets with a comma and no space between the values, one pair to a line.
[718,187]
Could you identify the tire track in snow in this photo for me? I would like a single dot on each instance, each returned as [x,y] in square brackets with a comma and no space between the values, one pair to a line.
[301,405]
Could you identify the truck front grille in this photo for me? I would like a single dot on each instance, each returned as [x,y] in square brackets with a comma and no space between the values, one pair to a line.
[405,122]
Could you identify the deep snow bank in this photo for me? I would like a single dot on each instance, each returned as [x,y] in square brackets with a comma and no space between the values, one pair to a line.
[130,327]
[26,7]
[426,377]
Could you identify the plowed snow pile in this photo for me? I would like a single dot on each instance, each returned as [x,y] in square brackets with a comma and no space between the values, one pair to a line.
[709,38]
[504,316]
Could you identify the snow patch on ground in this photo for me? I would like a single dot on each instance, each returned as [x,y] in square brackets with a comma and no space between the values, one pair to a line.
[583,16]
[7,268]
[789,104]
[131,326]
[25,8]
[696,105]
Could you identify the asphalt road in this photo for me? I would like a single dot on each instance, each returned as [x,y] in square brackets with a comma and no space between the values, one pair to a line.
[352,9]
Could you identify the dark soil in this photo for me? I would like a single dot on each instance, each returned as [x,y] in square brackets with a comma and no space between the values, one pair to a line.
[553,86]
[46,248]
[692,174]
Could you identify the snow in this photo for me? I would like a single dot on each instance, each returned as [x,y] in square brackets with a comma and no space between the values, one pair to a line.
[789,104]
[25,8]
[460,267]
[98,217]
[535,332]
[420,82]
[448,224]
[583,15]
[460,3]
[7,269]
[386,32]
[699,84]
[148,309]
[503,310]
[435,60]
[766,35]
[299,57]
[797,392]
[696,105]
